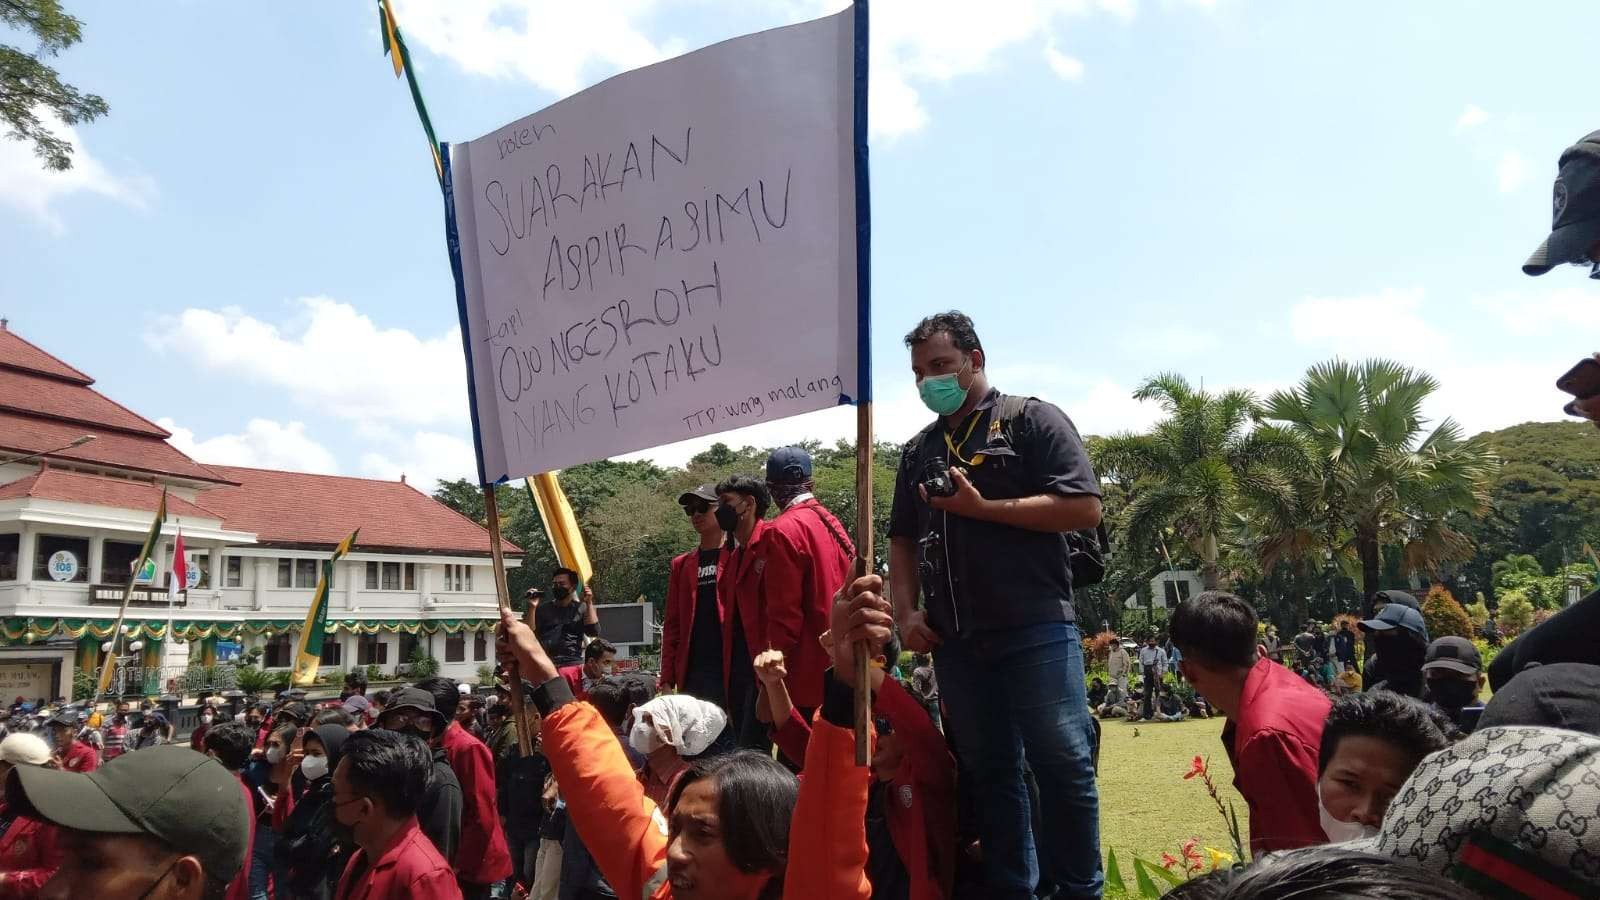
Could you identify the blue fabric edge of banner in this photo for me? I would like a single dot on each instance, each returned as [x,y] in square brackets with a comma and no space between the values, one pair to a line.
[863,217]
[452,240]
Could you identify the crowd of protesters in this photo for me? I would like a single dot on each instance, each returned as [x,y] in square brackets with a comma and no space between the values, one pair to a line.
[731,774]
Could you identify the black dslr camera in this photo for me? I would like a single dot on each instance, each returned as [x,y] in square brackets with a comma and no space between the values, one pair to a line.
[936,478]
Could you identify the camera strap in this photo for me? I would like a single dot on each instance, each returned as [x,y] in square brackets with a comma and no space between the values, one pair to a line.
[837,537]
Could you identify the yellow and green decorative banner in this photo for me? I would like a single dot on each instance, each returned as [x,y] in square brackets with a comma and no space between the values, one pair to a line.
[18,629]
[308,656]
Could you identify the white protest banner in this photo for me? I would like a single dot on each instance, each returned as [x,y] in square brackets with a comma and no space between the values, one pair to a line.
[668,254]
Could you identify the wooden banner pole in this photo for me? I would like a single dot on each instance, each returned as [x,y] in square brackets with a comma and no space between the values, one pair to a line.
[491,509]
[864,565]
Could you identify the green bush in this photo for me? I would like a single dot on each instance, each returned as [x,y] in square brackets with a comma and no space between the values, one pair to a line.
[374,674]
[84,684]
[422,665]
[1444,616]
[1516,612]
[486,675]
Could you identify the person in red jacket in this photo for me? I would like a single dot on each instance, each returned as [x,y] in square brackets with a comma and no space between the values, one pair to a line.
[483,857]
[823,554]
[377,788]
[762,574]
[599,661]
[1275,719]
[911,806]
[30,851]
[691,632]
[72,754]
[730,836]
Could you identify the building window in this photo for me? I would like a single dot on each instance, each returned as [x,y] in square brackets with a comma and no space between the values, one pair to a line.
[411,576]
[235,574]
[10,546]
[455,647]
[457,578]
[391,576]
[279,649]
[332,652]
[371,650]
[1175,592]
[372,576]
[408,646]
[285,573]
[480,646]
[117,560]
[305,573]
[58,558]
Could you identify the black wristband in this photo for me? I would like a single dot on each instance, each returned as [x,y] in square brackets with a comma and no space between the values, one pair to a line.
[838,701]
[592,630]
[552,695]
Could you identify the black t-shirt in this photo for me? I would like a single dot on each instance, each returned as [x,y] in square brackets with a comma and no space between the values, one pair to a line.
[560,631]
[703,677]
[987,575]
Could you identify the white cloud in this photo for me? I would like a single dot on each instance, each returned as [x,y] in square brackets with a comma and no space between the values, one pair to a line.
[1388,323]
[1546,313]
[561,48]
[1511,171]
[263,444]
[1069,68]
[26,185]
[424,458]
[1168,342]
[334,360]
[1471,117]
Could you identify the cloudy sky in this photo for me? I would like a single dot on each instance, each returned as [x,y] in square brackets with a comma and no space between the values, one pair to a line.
[249,248]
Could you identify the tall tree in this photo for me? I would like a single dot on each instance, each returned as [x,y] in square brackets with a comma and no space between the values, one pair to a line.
[1385,479]
[1197,472]
[30,90]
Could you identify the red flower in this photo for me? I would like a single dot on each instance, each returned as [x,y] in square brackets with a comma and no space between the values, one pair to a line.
[1168,860]
[1197,767]
[1191,849]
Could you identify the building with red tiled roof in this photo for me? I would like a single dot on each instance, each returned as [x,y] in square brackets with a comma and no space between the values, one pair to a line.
[81,477]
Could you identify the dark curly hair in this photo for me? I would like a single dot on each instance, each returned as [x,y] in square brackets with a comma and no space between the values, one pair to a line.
[1406,722]
[754,488]
[955,323]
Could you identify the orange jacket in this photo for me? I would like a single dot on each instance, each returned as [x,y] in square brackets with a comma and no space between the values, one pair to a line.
[627,834]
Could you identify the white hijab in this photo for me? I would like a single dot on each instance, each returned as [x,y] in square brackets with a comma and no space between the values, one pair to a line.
[687,724]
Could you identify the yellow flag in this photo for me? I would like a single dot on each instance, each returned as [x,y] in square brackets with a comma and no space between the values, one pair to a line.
[560,524]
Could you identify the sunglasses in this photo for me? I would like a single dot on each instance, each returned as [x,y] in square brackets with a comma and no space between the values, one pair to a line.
[696,509]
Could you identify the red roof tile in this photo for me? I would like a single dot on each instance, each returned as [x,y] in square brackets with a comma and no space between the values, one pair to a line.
[48,398]
[27,433]
[16,353]
[298,508]
[99,490]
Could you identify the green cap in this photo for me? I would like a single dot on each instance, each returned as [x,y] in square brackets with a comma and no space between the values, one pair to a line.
[182,798]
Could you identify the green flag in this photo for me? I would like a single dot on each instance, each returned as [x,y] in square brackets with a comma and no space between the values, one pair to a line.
[309,655]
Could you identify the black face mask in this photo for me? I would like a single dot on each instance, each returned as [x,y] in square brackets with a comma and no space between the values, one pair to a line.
[1452,693]
[560,591]
[416,732]
[727,517]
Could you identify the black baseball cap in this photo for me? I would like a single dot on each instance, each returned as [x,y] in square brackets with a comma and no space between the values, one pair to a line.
[788,465]
[706,492]
[1400,597]
[1575,209]
[1455,654]
[184,799]
[1560,695]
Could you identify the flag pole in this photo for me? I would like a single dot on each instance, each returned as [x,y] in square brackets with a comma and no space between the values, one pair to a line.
[863,566]
[865,558]
[104,684]
[519,715]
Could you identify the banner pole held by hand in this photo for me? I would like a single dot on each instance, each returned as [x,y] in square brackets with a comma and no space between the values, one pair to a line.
[491,509]
[863,566]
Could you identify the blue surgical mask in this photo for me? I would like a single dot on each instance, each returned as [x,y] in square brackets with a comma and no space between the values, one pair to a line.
[943,394]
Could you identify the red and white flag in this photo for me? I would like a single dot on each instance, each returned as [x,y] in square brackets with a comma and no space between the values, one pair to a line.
[179,579]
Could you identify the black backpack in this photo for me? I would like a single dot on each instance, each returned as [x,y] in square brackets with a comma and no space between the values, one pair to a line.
[1088,548]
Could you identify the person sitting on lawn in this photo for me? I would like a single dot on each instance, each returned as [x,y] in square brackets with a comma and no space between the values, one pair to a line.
[1097,693]
[911,805]
[1349,681]
[1168,707]
[1370,744]
[1274,718]
[1115,704]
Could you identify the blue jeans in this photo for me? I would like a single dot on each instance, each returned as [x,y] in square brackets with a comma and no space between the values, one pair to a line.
[1018,694]
[260,861]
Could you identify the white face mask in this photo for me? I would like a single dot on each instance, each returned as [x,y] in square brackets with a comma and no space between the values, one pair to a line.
[314,767]
[643,738]
[205,719]
[274,755]
[1338,832]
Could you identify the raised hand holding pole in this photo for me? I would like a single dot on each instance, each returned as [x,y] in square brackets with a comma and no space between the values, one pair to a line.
[491,509]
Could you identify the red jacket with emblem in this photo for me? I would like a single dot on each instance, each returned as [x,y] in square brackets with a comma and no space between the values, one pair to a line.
[30,853]
[922,796]
[482,856]
[762,575]
[79,757]
[409,867]
[683,594]
[822,553]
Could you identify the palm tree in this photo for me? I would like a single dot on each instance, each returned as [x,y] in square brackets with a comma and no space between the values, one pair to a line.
[1381,477]
[1197,472]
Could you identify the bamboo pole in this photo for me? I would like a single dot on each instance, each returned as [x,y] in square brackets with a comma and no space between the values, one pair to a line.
[491,508]
[864,565]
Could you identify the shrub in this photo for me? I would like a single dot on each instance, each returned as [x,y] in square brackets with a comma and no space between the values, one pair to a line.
[1516,612]
[422,665]
[1097,648]
[84,684]
[1477,613]
[1443,615]
[374,674]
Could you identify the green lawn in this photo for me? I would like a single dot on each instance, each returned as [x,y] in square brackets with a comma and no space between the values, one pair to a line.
[1146,807]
